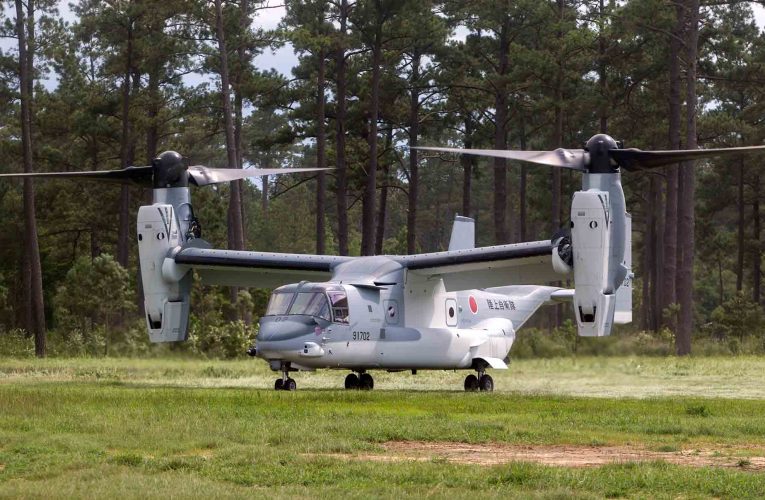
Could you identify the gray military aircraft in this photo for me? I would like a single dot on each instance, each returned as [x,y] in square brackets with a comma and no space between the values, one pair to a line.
[458,309]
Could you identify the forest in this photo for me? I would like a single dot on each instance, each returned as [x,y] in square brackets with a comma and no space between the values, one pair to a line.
[97,85]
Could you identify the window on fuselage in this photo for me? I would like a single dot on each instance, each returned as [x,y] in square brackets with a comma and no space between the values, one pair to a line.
[279,303]
[311,304]
[339,301]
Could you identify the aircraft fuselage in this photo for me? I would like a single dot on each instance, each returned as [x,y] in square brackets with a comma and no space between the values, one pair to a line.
[409,326]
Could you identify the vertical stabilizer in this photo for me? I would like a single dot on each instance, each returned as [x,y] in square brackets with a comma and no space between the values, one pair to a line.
[463,233]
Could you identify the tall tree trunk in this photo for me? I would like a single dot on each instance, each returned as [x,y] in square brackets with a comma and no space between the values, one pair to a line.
[414,174]
[522,185]
[686,199]
[500,139]
[657,268]
[557,141]
[321,160]
[341,183]
[242,55]
[670,254]
[369,215]
[235,241]
[467,167]
[602,67]
[235,229]
[757,254]
[125,160]
[152,111]
[645,313]
[740,241]
[383,210]
[35,304]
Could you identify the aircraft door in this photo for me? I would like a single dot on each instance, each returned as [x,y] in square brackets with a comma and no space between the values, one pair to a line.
[451,312]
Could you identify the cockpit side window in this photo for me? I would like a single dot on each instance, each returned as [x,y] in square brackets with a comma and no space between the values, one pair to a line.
[279,303]
[311,304]
[339,302]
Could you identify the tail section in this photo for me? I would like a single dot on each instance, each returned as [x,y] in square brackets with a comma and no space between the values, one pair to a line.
[463,234]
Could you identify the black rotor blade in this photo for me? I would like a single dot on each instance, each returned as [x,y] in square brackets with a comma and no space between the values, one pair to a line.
[563,158]
[203,176]
[637,159]
[136,175]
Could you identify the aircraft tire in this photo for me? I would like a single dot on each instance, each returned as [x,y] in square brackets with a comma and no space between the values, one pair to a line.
[366,382]
[290,385]
[471,383]
[279,384]
[351,381]
[486,383]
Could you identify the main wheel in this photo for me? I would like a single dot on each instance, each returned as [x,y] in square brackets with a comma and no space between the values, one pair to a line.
[486,383]
[279,384]
[290,385]
[471,383]
[366,382]
[351,381]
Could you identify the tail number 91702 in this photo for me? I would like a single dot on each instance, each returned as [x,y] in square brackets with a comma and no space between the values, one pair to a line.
[360,335]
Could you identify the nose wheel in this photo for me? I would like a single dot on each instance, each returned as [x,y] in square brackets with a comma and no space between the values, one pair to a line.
[285,383]
[482,382]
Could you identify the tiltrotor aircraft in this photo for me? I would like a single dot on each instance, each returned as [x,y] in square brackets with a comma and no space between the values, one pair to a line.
[458,309]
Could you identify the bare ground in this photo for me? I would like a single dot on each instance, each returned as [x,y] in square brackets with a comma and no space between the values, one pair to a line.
[558,455]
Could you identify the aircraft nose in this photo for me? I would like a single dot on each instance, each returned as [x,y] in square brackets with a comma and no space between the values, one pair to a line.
[277,328]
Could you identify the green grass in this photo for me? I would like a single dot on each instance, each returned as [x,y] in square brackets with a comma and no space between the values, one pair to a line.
[137,428]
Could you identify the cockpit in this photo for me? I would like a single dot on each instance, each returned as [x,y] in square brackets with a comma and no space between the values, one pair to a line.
[329,303]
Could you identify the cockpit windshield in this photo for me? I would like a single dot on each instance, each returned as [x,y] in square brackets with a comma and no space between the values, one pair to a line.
[279,304]
[311,304]
[331,305]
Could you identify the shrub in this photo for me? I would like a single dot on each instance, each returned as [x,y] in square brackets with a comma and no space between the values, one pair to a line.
[16,344]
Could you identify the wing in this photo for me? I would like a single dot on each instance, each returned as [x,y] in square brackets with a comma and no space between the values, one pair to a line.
[256,269]
[515,264]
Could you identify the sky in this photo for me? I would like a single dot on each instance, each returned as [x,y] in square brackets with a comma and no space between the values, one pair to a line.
[282,59]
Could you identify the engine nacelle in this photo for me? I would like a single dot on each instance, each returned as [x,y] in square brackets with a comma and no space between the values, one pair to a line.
[166,297]
[594,298]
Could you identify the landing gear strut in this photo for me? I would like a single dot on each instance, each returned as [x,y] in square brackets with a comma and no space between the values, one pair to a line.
[285,383]
[363,381]
[482,382]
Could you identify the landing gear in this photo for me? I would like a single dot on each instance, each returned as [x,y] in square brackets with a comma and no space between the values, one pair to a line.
[285,383]
[363,381]
[351,381]
[366,382]
[486,383]
[482,382]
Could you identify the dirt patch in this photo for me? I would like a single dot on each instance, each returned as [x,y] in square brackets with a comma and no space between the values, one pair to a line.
[557,455]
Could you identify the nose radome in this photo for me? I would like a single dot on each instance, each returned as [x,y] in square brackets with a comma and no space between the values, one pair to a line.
[285,328]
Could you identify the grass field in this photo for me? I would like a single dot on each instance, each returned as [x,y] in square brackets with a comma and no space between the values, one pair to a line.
[159,428]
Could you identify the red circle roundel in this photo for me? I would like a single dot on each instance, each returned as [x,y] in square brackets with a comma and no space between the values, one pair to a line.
[473,305]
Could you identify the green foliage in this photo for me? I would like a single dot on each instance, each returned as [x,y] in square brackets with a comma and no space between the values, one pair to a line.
[224,341]
[16,344]
[736,318]
[96,292]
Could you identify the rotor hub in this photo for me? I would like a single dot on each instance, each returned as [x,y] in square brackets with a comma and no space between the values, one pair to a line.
[170,171]
[600,161]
